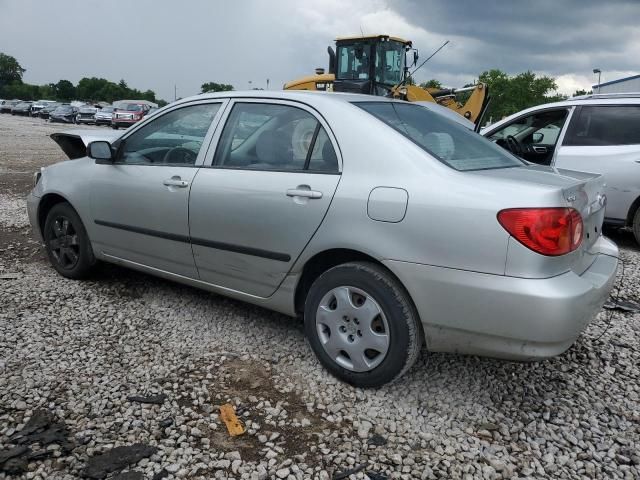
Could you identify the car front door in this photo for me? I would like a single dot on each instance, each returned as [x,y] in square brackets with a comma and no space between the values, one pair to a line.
[605,139]
[140,202]
[532,137]
[267,191]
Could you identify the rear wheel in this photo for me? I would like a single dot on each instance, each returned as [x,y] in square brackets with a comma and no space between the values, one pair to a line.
[67,243]
[636,225]
[362,324]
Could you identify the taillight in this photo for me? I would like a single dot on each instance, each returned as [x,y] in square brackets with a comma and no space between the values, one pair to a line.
[549,231]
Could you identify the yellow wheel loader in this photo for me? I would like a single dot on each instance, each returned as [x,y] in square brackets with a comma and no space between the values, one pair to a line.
[377,65]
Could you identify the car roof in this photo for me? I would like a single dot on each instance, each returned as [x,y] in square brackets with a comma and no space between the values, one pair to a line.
[305,96]
[597,99]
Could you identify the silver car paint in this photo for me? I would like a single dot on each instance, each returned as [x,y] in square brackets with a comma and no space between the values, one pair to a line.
[620,165]
[448,251]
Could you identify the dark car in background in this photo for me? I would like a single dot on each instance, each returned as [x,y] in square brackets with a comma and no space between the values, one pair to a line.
[22,108]
[64,113]
[46,111]
[104,116]
[7,105]
[86,114]
[127,115]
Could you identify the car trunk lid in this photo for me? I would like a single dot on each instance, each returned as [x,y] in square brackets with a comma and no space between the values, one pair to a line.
[579,190]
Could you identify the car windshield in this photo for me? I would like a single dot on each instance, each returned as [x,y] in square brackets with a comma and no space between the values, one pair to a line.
[446,140]
[63,109]
[106,110]
[132,107]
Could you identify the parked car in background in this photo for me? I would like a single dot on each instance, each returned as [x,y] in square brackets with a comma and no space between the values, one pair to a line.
[7,105]
[22,108]
[86,114]
[104,116]
[127,115]
[65,113]
[382,222]
[46,111]
[591,133]
[39,105]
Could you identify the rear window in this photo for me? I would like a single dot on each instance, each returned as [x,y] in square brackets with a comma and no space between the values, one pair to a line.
[446,140]
[605,125]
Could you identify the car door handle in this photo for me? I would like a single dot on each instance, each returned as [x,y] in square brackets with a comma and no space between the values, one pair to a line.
[300,192]
[175,182]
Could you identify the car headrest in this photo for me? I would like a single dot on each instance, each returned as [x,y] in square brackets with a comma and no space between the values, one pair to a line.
[441,144]
[273,147]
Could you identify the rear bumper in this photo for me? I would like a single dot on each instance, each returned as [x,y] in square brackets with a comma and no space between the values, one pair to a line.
[507,317]
[85,120]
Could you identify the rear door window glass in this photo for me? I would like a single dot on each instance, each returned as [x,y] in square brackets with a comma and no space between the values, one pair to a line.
[602,125]
[446,140]
[274,137]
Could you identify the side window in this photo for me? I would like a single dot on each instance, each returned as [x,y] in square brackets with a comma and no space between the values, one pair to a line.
[174,138]
[274,137]
[605,125]
[539,128]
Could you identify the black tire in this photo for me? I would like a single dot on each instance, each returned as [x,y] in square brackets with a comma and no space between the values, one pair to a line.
[405,332]
[636,225]
[74,257]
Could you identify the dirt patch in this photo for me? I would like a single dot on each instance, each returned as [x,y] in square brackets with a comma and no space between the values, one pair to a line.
[20,246]
[283,416]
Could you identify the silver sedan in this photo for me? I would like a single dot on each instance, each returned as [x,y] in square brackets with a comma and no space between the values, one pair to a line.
[383,224]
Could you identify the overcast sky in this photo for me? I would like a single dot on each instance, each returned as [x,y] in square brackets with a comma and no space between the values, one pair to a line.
[156,44]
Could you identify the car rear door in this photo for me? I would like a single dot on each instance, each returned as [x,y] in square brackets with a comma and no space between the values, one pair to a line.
[253,211]
[605,139]
[140,202]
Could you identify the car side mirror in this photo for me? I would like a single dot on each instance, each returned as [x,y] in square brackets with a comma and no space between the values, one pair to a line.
[537,137]
[100,151]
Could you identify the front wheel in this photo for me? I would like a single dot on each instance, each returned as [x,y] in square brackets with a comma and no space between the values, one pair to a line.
[636,225]
[67,243]
[362,324]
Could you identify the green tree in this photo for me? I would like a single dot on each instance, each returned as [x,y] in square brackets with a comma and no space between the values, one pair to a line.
[10,71]
[579,92]
[216,87]
[65,90]
[433,83]
[510,94]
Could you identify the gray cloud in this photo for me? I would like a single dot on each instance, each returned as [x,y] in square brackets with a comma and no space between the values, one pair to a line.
[158,43]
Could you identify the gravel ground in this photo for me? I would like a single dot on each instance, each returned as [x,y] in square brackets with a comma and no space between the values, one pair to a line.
[77,351]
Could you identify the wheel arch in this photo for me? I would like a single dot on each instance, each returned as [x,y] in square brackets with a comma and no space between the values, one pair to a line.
[632,211]
[47,202]
[323,261]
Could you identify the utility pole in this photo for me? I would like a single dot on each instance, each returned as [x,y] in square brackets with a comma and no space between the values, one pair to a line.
[175,92]
[599,72]
[267,84]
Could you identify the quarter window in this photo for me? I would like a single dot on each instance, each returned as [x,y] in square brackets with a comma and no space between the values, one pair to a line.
[605,125]
[274,137]
[174,138]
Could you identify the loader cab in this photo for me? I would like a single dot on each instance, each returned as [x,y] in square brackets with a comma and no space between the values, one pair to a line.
[370,65]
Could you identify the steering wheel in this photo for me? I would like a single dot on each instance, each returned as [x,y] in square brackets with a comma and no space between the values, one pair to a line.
[179,155]
[514,145]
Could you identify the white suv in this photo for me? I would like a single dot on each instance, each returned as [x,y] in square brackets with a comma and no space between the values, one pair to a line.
[591,133]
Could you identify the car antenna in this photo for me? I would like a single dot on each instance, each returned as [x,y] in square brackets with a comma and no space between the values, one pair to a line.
[422,64]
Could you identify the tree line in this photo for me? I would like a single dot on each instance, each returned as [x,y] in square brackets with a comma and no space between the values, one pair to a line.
[88,89]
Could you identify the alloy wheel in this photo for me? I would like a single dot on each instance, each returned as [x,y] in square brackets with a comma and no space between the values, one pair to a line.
[63,243]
